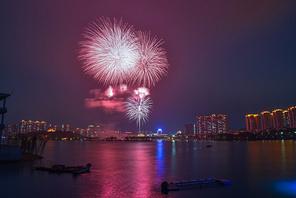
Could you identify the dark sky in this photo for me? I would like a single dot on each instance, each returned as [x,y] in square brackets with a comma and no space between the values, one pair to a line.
[231,57]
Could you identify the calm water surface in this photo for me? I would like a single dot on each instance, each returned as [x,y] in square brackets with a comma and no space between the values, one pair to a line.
[136,169]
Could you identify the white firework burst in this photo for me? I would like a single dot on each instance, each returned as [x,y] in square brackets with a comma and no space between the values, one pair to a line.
[109,51]
[152,63]
[138,109]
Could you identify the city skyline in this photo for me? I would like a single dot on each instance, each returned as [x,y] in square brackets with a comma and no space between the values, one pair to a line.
[224,57]
[277,119]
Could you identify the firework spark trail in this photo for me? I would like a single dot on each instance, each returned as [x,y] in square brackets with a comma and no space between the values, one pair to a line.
[138,109]
[152,63]
[109,51]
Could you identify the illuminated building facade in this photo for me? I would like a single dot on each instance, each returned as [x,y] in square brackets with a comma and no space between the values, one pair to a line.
[292,117]
[40,126]
[253,122]
[93,131]
[65,127]
[53,127]
[278,119]
[286,119]
[81,131]
[90,131]
[10,129]
[32,126]
[203,125]
[212,124]
[222,123]
[266,120]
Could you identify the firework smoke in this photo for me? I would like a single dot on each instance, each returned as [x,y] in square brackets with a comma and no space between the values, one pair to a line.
[109,51]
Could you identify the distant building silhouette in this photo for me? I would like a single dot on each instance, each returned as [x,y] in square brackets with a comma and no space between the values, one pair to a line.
[190,129]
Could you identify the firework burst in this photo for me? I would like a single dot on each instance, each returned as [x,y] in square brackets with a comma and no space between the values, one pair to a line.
[152,63]
[138,109]
[109,51]
[142,92]
[109,92]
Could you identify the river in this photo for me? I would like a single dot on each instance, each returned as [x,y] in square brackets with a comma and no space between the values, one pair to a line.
[136,169]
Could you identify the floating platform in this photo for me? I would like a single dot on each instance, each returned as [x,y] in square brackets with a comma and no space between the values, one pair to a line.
[197,184]
[75,170]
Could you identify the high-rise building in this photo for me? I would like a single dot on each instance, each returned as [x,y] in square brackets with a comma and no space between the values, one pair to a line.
[212,124]
[93,131]
[292,117]
[53,127]
[82,131]
[286,119]
[32,126]
[40,126]
[190,129]
[23,126]
[204,125]
[10,129]
[253,122]
[65,127]
[278,119]
[266,120]
[222,123]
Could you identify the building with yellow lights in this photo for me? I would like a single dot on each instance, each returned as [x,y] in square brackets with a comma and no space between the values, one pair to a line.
[253,122]
[278,119]
[292,117]
[90,131]
[32,126]
[266,120]
[53,127]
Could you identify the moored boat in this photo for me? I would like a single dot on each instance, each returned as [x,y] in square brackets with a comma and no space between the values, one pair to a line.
[57,168]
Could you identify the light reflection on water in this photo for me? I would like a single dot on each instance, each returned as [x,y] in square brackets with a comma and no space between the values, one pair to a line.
[136,169]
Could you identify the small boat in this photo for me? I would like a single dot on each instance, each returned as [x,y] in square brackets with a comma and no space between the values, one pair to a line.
[196,184]
[57,168]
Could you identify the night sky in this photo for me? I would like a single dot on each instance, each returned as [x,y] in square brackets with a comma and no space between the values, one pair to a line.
[231,57]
